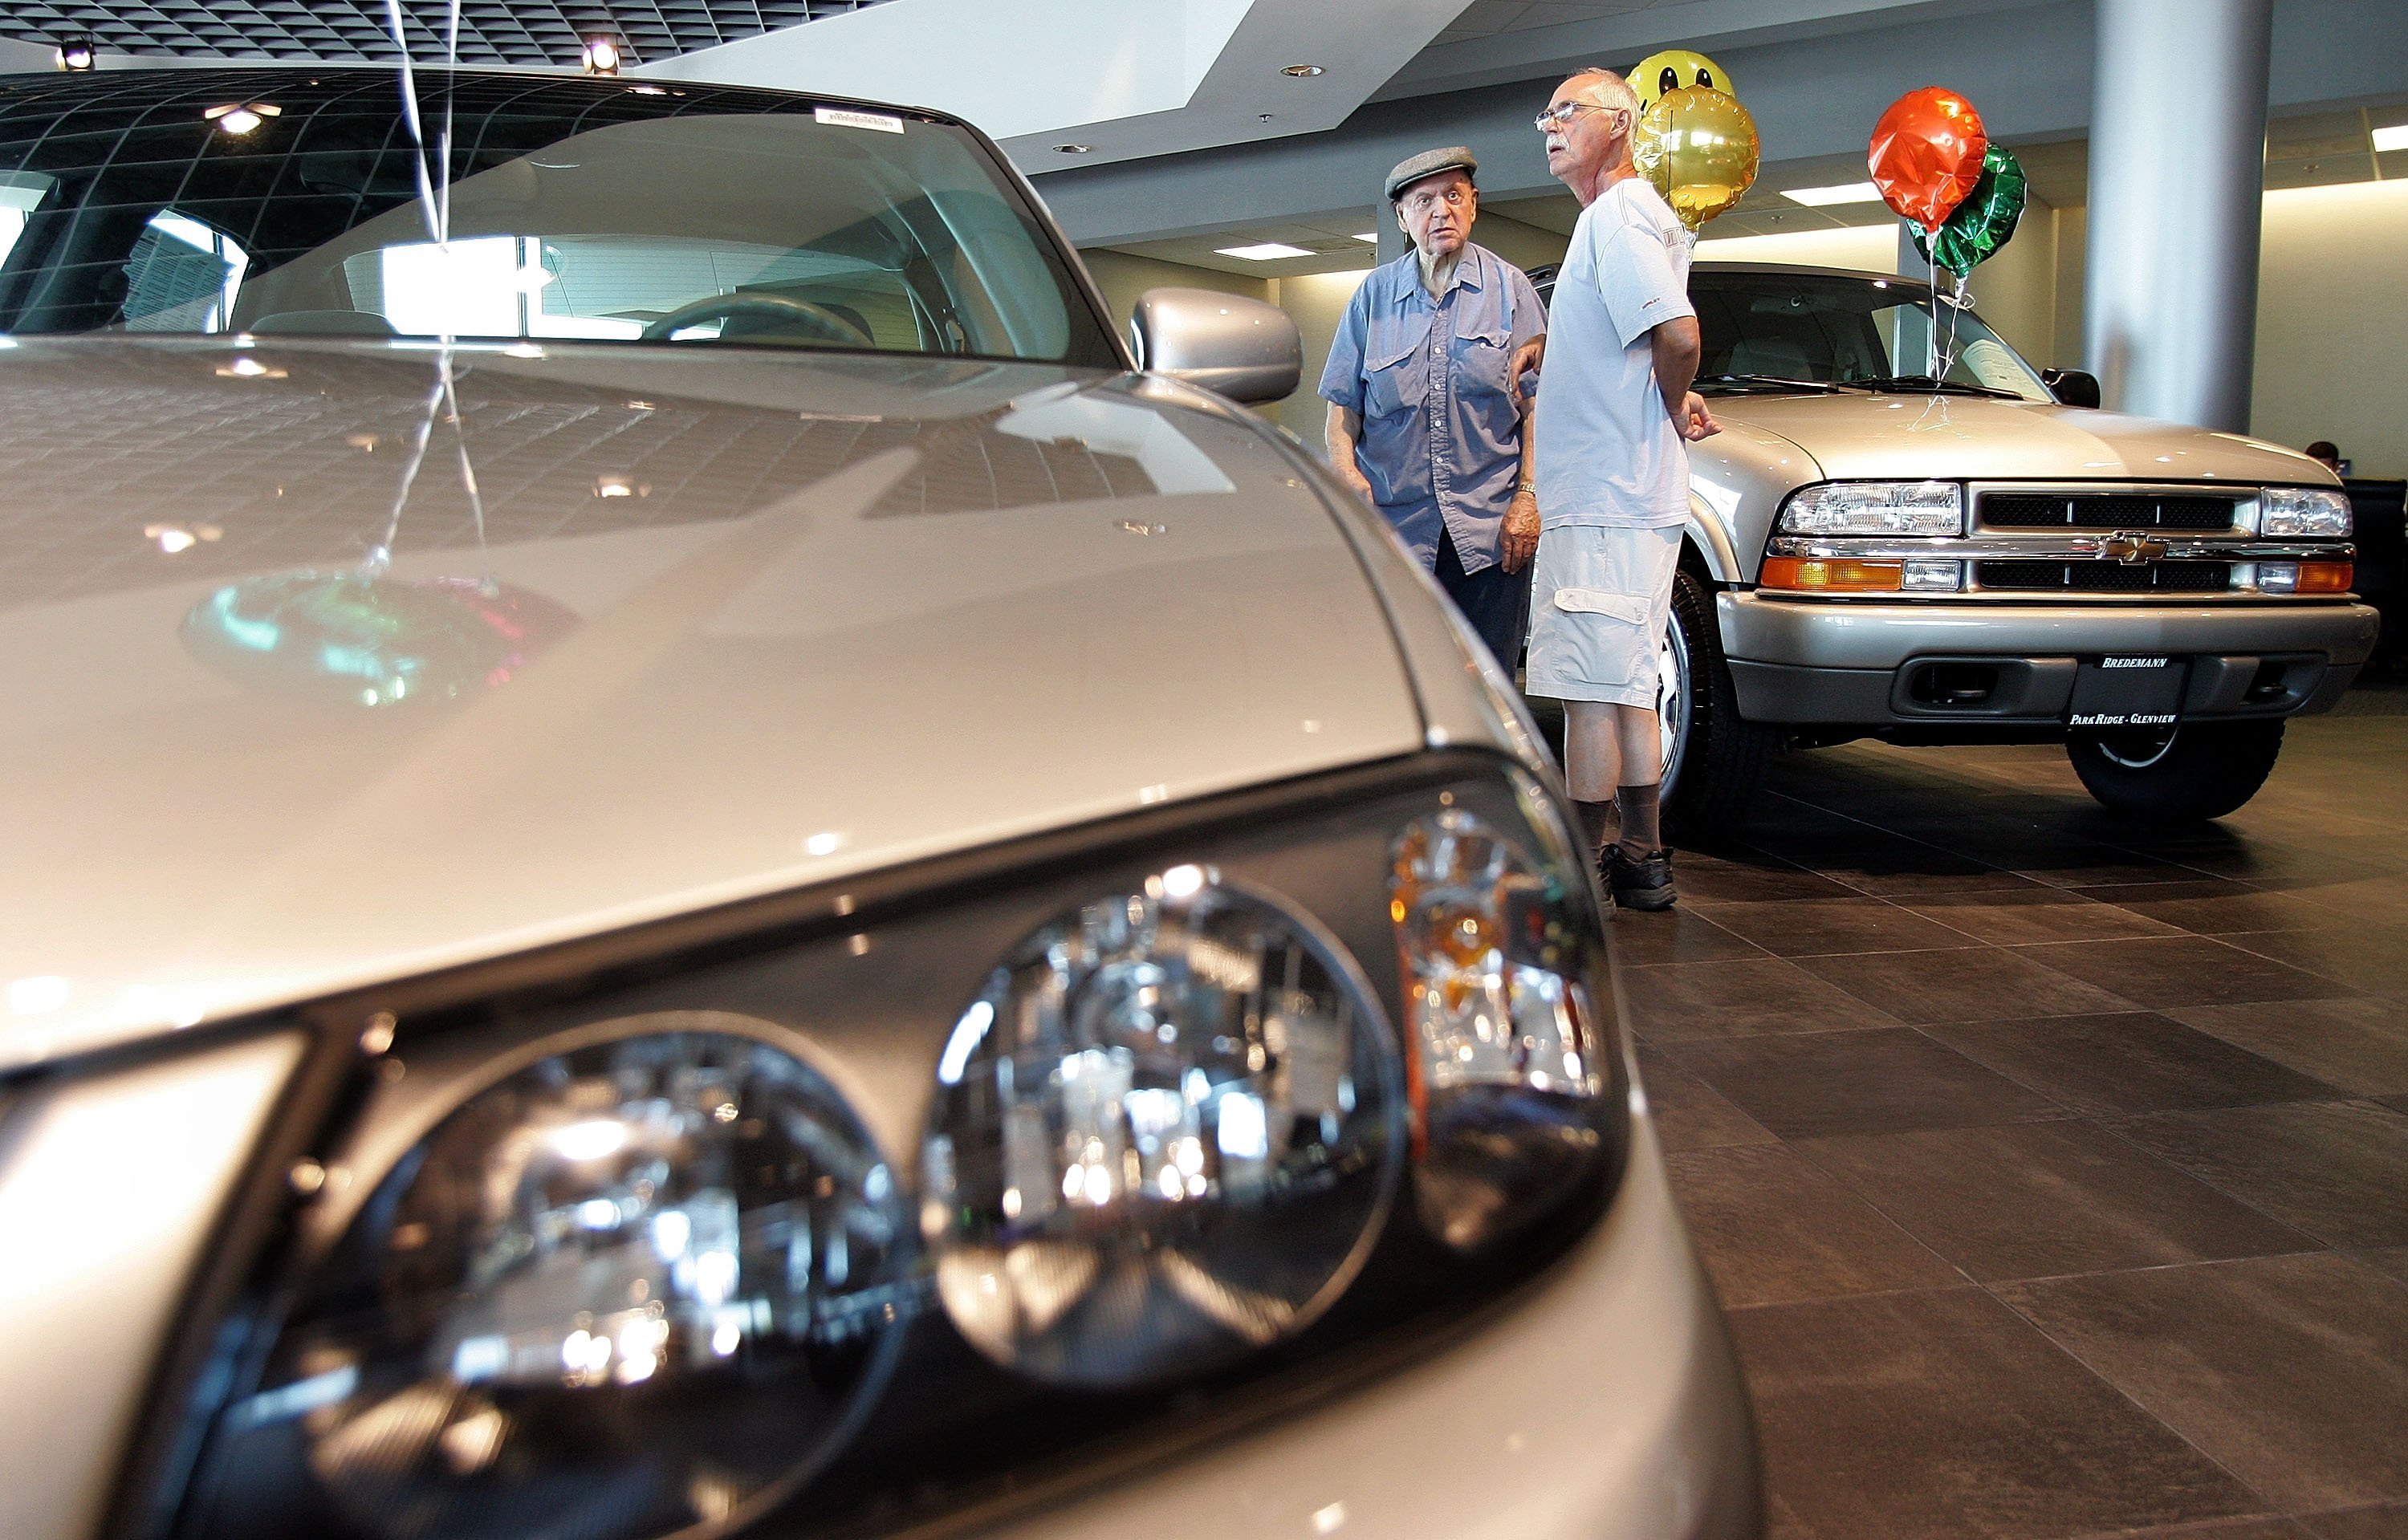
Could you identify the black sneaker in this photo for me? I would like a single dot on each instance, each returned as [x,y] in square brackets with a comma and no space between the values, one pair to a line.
[1645,884]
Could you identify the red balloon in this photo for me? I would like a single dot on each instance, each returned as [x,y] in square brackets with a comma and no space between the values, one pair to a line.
[1927,154]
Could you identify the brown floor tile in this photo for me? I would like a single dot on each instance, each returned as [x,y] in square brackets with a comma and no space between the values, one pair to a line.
[2135,1061]
[2039,1200]
[1819,927]
[2337,1170]
[2359,1045]
[1885,1081]
[1681,934]
[2214,907]
[2392,1259]
[2232,1529]
[2385,1521]
[1772,1230]
[2162,972]
[1967,984]
[2291,1372]
[1675,1001]
[2034,912]
[1745,877]
[1941,1415]
[1690,1114]
[2363,955]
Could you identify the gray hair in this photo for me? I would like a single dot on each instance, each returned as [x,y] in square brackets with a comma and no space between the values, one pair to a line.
[1606,88]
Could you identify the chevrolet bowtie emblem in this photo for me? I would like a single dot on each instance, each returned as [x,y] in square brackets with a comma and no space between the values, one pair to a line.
[2131,549]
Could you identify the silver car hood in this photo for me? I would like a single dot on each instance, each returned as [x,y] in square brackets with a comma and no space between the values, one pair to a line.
[715,624]
[1855,435]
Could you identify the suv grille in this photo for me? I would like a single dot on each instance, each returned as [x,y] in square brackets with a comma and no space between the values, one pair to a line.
[2105,510]
[2106,577]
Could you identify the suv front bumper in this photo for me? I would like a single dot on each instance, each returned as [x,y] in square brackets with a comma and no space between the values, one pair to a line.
[1877,663]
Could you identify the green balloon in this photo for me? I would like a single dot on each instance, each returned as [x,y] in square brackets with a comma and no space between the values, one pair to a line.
[1985,221]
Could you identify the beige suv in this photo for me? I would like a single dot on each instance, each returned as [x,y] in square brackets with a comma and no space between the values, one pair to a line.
[1982,558]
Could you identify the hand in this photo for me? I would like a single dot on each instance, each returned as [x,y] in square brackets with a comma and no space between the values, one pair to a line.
[1526,356]
[1694,421]
[1521,530]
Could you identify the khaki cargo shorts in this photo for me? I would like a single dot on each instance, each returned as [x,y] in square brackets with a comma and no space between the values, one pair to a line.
[1600,601]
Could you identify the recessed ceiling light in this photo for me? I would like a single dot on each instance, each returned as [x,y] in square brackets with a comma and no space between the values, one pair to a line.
[2391,138]
[1370,237]
[1824,197]
[1267,251]
[1072,150]
[1303,72]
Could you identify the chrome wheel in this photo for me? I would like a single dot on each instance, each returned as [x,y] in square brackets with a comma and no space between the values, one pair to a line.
[1672,701]
[2137,750]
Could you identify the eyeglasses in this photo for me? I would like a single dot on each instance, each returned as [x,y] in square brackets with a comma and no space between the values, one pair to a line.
[1561,114]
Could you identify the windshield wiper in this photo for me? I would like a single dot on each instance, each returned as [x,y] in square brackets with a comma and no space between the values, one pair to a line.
[1772,383]
[1937,387]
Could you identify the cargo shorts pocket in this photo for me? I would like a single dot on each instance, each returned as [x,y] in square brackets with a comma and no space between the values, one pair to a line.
[1629,608]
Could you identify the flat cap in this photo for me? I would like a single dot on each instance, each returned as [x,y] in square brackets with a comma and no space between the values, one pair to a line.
[1430,163]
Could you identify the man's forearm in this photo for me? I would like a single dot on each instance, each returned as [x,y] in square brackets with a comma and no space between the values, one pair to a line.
[1340,435]
[1677,349]
[1529,477]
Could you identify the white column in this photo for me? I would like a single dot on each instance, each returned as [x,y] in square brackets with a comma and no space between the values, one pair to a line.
[2177,178]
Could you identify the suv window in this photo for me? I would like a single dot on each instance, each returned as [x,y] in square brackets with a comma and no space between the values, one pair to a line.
[1833,330]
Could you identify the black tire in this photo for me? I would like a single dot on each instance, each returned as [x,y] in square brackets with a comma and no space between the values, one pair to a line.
[2203,770]
[1714,761]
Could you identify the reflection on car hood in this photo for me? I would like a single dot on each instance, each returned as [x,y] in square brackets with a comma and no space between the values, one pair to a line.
[1857,435]
[712,624]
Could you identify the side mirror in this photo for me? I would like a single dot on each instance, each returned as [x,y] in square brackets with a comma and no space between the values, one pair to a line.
[2071,387]
[1246,350]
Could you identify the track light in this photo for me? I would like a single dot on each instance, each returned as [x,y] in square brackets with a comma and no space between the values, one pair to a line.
[600,56]
[77,53]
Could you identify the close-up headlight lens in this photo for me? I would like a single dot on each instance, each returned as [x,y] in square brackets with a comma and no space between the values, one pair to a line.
[1164,1136]
[2303,510]
[1502,1058]
[1876,508]
[630,1288]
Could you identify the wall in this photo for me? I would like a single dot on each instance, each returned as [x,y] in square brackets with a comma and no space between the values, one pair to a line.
[1866,248]
[1317,303]
[2332,327]
[1123,278]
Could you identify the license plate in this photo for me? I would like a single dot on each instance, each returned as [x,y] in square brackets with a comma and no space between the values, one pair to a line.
[2129,691]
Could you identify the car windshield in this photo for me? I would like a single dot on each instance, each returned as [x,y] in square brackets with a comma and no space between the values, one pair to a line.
[1768,327]
[290,203]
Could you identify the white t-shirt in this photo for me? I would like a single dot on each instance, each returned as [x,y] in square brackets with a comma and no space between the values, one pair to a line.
[1608,451]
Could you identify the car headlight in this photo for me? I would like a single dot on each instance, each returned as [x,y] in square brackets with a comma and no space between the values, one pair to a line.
[1875,508]
[2303,510]
[1166,1134]
[1493,949]
[622,1263]
[628,1289]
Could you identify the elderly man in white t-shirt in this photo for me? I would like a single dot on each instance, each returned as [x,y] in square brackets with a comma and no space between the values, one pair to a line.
[1614,478]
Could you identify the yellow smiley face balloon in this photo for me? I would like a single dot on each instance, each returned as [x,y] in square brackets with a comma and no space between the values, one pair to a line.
[1676,69]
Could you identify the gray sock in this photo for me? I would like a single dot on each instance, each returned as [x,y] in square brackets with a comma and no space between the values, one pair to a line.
[1597,824]
[1641,837]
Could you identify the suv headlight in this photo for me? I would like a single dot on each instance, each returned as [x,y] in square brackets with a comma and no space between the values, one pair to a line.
[1875,508]
[2303,510]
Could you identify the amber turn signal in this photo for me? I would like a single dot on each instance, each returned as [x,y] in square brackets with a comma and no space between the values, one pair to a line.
[2326,576]
[1824,575]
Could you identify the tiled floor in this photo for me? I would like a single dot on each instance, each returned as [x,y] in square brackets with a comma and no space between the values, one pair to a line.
[2053,1171]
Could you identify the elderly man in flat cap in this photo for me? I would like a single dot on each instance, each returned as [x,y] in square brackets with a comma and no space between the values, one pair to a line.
[1426,402]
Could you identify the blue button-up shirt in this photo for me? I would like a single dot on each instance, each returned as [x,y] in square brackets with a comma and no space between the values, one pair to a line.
[1442,440]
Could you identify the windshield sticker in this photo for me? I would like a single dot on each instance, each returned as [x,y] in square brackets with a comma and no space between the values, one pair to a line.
[847,117]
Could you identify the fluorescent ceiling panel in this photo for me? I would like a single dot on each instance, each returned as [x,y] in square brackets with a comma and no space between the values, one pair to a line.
[1267,251]
[2390,137]
[1825,197]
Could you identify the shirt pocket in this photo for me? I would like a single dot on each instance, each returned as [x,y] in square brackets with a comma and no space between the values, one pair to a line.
[1482,360]
[1395,371]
